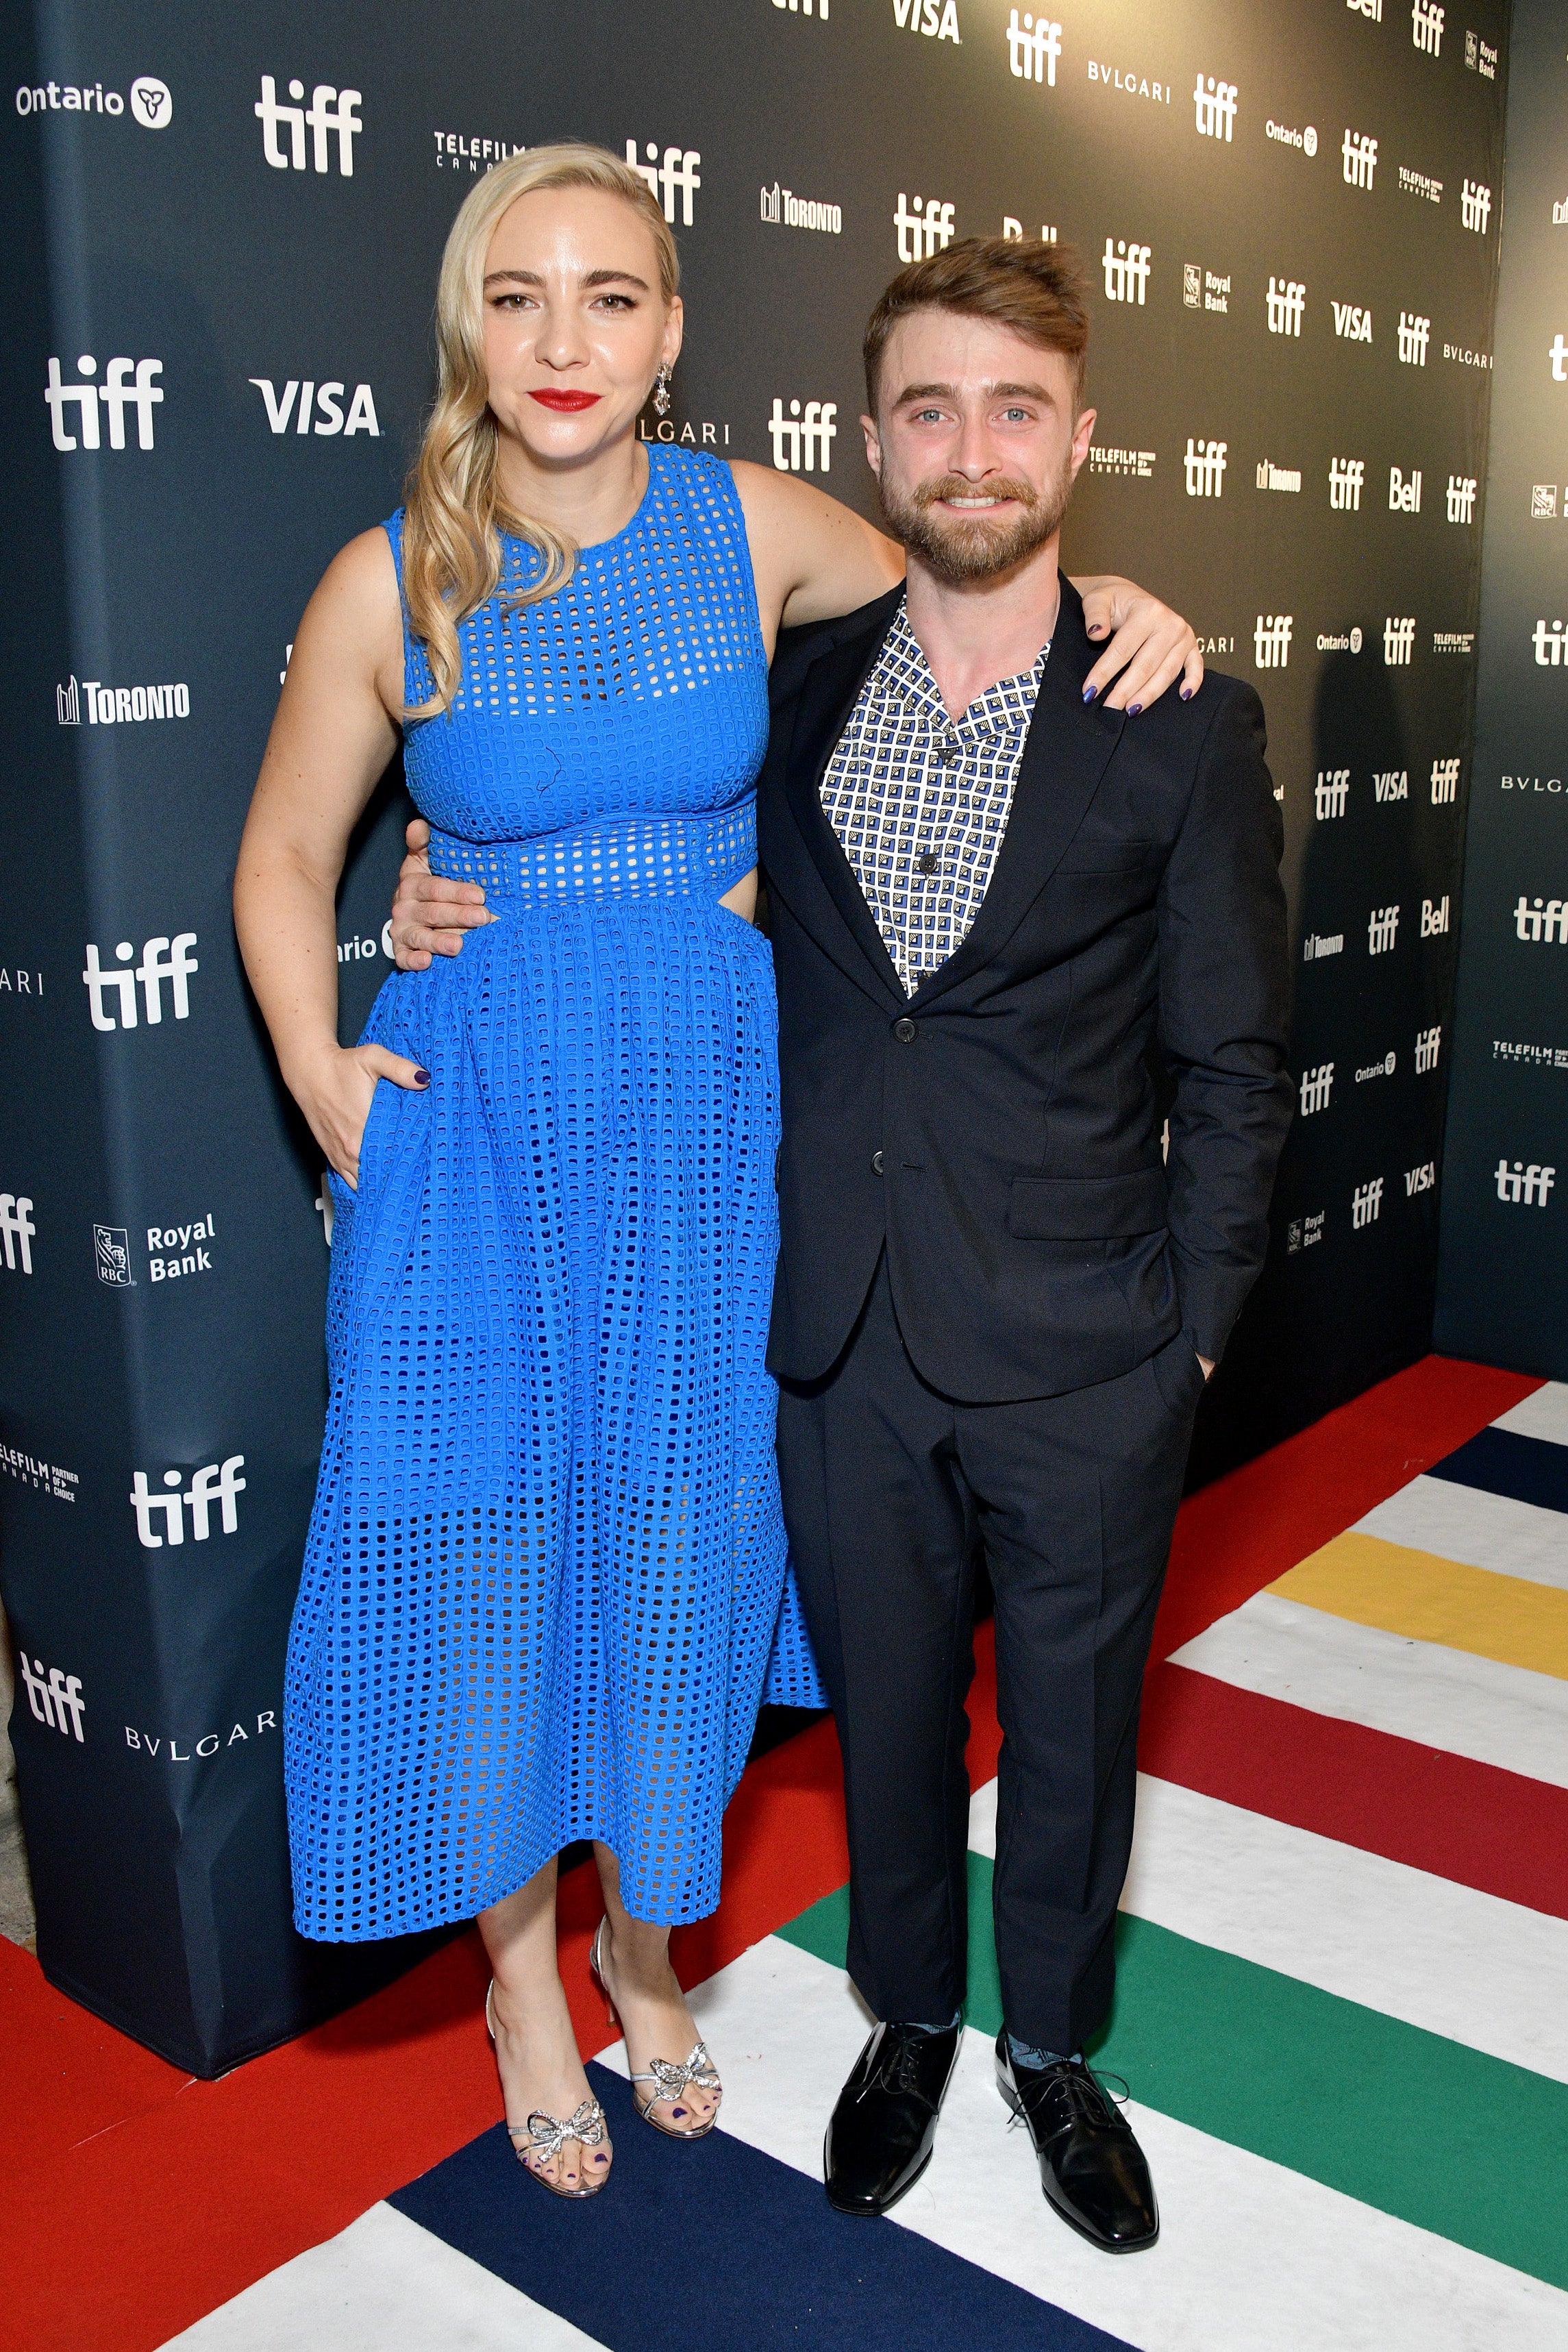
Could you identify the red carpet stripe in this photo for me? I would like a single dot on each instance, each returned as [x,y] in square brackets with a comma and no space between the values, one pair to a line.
[1491,1829]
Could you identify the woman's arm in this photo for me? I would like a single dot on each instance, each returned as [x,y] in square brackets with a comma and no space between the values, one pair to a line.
[330,740]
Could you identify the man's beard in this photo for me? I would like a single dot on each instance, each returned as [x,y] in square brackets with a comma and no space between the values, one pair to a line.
[978,548]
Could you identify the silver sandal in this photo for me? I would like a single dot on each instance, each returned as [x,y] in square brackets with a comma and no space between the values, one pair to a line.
[543,2137]
[697,2072]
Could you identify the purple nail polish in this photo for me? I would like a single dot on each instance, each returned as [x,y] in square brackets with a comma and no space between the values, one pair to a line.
[1133,708]
[1186,694]
[1088,694]
[422,1077]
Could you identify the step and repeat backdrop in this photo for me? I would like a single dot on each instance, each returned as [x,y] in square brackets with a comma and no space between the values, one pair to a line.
[1503,1290]
[227,230]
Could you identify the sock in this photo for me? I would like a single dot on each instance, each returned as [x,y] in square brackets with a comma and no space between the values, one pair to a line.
[1022,2054]
[916,2025]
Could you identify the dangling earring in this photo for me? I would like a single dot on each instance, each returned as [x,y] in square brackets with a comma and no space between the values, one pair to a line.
[661,391]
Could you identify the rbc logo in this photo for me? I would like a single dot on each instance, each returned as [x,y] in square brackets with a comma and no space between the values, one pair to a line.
[216,1483]
[163,958]
[323,118]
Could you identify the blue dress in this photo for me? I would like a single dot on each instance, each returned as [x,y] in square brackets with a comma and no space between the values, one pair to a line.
[546,1580]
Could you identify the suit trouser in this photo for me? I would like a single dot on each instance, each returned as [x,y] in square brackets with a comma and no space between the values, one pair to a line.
[892,1494]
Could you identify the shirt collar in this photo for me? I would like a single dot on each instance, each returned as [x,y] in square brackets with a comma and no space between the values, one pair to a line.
[905,675]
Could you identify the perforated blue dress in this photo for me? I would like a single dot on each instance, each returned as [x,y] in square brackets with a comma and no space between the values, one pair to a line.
[546,1576]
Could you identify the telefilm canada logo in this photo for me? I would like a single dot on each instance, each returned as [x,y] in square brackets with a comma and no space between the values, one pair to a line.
[215,1489]
[163,959]
[45,1477]
[802,438]
[320,408]
[55,1698]
[151,104]
[127,383]
[330,117]
[457,151]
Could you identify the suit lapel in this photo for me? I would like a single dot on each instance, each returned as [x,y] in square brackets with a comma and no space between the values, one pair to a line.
[1067,751]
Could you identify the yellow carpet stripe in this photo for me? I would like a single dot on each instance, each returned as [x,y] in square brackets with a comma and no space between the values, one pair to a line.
[1428,1599]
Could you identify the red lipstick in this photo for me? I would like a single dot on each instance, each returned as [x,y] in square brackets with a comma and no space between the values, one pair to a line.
[566,402]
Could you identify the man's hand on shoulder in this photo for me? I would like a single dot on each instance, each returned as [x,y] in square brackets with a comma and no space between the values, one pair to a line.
[431,914]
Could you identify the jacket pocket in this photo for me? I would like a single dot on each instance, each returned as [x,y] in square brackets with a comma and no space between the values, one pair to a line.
[1087,1208]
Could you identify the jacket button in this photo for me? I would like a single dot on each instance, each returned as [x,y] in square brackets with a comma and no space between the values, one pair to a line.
[876,1164]
[904,1030]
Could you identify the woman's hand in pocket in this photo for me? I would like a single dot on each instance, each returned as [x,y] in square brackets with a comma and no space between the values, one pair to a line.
[336,1093]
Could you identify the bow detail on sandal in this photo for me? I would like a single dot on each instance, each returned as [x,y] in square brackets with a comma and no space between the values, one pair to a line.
[698,2073]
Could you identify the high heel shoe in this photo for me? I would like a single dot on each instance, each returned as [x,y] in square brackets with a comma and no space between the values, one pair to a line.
[698,2073]
[543,2136]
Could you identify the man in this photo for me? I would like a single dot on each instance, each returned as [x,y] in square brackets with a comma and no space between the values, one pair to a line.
[996,907]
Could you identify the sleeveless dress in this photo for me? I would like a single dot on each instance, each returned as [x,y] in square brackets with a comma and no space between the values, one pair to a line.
[545,1580]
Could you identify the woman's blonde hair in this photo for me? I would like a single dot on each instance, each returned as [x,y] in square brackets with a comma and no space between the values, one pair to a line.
[453,504]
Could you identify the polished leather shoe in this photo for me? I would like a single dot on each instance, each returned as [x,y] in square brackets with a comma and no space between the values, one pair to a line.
[1091,2168]
[880,2139]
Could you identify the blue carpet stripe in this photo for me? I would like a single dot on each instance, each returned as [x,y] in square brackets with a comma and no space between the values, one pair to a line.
[1500,1462]
[721,2246]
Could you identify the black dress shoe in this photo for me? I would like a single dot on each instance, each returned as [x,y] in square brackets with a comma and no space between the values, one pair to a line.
[879,2141]
[1091,2168]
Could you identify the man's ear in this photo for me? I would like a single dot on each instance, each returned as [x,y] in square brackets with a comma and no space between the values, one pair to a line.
[1083,434]
[873,444]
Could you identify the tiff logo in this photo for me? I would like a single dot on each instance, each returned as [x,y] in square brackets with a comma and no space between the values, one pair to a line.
[1475,206]
[128,383]
[675,176]
[1444,781]
[18,1232]
[920,234]
[798,439]
[1333,792]
[1316,1087]
[328,400]
[1214,102]
[1429,1045]
[1360,157]
[1461,498]
[1391,785]
[322,116]
[1549,645]
[1398,641]
[55,1700]
[1519,1184]
[1404,497]
[1435,917]
[163,958]
[1271,641]
[1413,335]
[1352,322]
[1033,48]
[1420,1180]
[1558,355]
[1345,477]
[804,7]
[1204,467]
[1287,300]
[1427,28]
[1366,1204]
[1382,930]
[1126,271]
[216,1483]
[1533,922]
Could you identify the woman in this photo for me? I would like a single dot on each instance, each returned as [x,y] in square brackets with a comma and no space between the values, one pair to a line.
[546,1571]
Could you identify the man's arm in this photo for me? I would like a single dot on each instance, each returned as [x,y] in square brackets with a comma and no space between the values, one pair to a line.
[1224,1011]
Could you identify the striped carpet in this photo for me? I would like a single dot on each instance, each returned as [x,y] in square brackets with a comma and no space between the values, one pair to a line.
[1343,1950]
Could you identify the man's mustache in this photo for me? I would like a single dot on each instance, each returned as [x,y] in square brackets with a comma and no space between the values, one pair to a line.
[954,486]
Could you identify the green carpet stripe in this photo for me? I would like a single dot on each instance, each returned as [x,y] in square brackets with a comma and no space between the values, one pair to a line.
[1444,2137]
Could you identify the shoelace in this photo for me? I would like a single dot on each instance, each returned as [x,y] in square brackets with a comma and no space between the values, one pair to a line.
[1084,2094]
[894,2066]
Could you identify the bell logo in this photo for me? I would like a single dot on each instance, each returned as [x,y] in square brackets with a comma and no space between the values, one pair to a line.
[215,1483]
[322,116]
[55,1698]
[1033,47]
[327,402]
[163,958]
[1521,1185]
[128,383]
[675,176]
[1434,918]
[798,440]
[1404,495]
[17,1230]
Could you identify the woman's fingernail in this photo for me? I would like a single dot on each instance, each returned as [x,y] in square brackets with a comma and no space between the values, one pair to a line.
[1133,708]
[1089,693]
[422,1077]
[1186,694]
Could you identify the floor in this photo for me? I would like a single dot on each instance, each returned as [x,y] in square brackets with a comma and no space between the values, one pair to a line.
[1343,1948]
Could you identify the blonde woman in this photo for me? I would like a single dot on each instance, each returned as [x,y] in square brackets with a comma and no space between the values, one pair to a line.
[546,1583]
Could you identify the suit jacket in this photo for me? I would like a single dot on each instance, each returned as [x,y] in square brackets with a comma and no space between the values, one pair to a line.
[999,1131]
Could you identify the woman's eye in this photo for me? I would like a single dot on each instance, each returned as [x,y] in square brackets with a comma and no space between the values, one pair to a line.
[615,301]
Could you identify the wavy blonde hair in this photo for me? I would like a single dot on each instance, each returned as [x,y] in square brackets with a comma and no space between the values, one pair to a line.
[453,501]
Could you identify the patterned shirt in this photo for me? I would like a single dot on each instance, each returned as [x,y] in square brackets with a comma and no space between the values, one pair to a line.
[920,801]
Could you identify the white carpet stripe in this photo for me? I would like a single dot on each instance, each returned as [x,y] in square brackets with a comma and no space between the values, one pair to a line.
[1544,1414]
[383,2284]
[1445,1698]
[1484,1530]
[1251,2258]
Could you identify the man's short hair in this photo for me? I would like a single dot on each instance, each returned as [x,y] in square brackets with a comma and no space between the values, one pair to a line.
[1040,292]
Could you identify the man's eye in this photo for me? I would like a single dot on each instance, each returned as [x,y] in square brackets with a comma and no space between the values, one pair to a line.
[1016,415]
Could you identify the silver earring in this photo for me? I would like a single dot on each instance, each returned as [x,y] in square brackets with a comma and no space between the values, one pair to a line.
[661,391]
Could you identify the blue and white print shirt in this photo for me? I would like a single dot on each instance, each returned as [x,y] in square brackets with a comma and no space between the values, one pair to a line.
[920,801]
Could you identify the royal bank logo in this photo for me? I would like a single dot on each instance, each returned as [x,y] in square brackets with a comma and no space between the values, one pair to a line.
[671,179]
[1271,640]
[1445,783]
[1434,918]
[1427,28]
[938,19]
[17,1231]
[923,229]
[1316,945]
[127,383]
[1475,206]
[54,1696]
[1461,498]
[1316,1087]
[1302,1232]
[1404,491]
[1382,930]
[175,1251]
[151,103]
[1381,1070]
[1421,1180]
[1332,794]
[1034,44]
[320,408]
[120,705]
[1366,1204]
[1359,156]
[1352,323]
[1429,1045]
[1544,502]
[1346,476]
[1539,922]
[215,1486]
[329,117]
[1414,331]
[1286,305]
[1203,290]
[1398,641]
[1389,784]
[1269,477]
[112,1256]
[1214,104]
[803,439]
[1126,268]
[1524,1187]
[1204,467]
[163,958]
[784,209]
[1549,641]
[1480,58]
